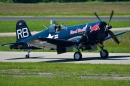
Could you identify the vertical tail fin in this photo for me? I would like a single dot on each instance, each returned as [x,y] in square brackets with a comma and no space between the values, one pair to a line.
[22,30]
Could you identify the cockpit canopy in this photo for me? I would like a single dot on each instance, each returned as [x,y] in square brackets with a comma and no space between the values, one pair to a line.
[52,28]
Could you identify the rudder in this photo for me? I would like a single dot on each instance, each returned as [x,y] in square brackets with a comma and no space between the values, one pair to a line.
[22,30]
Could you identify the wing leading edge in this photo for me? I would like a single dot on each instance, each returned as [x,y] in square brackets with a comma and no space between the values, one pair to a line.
[117,34]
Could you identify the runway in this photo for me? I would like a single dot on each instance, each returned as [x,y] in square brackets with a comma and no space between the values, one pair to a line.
[92,18]
[92,58]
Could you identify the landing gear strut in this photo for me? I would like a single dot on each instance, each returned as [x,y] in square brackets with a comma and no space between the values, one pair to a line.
[27,56]
[78,55]
[103,53]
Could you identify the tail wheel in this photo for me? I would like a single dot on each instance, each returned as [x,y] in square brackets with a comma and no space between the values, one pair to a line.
[104,54]
[77,56]
[27,56]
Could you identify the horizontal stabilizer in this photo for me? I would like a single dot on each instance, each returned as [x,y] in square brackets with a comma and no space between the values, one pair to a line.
[8,44]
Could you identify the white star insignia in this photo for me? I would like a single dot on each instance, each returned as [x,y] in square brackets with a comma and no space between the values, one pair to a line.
[49,36]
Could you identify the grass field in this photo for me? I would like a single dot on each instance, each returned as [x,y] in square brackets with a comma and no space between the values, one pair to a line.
[58,81]
[57,74]
[65,9]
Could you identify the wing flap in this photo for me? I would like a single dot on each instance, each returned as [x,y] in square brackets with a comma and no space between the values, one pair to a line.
[41,42]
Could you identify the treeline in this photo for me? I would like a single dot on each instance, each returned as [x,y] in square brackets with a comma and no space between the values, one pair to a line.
[60,1]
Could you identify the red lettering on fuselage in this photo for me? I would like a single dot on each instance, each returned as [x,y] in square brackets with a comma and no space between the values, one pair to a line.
[73,32]
[79,30]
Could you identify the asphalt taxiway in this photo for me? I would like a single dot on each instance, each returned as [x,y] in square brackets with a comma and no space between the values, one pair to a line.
[93,58]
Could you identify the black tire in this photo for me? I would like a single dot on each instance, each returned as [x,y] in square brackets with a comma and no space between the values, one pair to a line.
[77,56]
[104,54]
[26,56]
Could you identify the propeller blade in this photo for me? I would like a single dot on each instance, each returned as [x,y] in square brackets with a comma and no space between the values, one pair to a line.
[111,17]
[113,36]
[97,16]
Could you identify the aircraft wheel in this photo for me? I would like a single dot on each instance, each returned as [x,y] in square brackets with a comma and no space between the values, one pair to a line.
[27,56]
[104,54]
[77,56]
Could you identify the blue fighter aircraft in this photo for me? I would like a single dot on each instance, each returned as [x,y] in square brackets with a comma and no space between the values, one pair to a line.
[64,38]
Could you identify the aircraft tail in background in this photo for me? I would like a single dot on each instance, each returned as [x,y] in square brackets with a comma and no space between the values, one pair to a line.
[22,30]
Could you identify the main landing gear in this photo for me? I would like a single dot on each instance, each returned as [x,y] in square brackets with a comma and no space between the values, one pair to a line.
[27,56]
[77,55]
[103,53]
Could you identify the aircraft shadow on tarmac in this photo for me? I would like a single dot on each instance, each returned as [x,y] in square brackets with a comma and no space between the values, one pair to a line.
[39,57]
[88,58]
[71,59]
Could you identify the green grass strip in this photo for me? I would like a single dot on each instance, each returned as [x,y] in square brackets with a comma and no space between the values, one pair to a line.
[65,9]
[57,74]
[67,69]
[57,81]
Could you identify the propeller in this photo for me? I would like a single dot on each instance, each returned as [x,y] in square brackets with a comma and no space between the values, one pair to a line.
[111,17]
[108,27]
[113,36]
[97,16]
